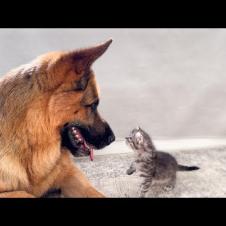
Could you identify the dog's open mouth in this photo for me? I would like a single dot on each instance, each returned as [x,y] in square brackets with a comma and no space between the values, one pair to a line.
[80,142]
[74,138]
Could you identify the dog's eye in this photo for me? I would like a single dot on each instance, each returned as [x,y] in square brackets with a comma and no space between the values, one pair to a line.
[81,85]
[93,106]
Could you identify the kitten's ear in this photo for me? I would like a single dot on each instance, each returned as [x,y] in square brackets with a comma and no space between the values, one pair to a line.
[138,128]
[84,58]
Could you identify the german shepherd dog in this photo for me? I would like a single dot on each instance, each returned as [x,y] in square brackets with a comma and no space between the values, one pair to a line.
[48,111]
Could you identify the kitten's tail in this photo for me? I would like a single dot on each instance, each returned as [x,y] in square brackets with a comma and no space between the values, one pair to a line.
[186,168]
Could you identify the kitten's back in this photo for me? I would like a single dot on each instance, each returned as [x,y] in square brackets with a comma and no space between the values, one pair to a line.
[166,165]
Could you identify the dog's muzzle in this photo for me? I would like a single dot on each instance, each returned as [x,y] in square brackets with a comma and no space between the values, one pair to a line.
[82,140]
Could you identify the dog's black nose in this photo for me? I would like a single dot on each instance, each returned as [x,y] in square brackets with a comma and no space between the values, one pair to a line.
[111,139]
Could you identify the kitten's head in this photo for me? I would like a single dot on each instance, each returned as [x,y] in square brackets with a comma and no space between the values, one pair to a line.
[139,141]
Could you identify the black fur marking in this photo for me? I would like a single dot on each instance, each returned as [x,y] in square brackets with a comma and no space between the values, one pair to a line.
[187,168]
[53,193]
[28,76]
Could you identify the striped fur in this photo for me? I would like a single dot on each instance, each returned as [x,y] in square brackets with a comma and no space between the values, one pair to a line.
[153,166]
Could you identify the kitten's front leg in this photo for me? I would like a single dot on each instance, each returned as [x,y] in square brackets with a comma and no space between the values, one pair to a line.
[132,168]
[145,186]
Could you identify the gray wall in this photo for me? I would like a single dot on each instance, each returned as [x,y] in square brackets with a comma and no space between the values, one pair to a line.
[170,81]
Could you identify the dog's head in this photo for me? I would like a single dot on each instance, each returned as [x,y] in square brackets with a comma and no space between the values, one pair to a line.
[74,105]
[62,96]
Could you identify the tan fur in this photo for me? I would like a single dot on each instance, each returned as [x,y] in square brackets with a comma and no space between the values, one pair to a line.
[36,100]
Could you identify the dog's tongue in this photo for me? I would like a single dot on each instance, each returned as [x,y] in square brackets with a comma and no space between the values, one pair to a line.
[91,155]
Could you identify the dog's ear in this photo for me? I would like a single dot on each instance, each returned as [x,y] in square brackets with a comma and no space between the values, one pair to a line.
[67,63]
[84,58]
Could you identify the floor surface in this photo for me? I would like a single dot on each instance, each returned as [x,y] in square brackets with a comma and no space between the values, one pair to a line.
[108,174]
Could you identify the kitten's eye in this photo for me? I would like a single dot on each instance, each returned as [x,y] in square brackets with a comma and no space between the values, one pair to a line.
[139,139]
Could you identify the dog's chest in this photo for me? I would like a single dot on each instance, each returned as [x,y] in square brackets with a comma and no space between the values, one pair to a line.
[43,162]
[13,175]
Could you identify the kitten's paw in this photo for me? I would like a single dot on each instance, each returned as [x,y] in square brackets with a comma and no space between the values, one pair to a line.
[142,194]
[168,188]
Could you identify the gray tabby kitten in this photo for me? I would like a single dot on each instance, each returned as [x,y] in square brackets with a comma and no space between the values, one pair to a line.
[152,164]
